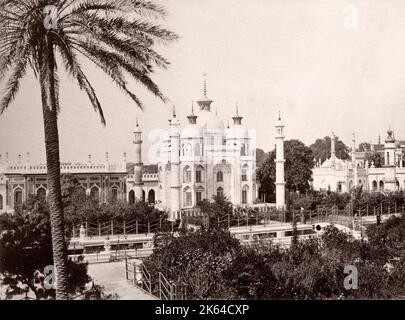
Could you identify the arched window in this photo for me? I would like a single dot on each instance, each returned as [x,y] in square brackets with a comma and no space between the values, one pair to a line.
[199,174]
[381,185]
[220,176]
[187,174]
[1,202]
[131,197]
[143,196]
[151,196]
[95,193]
[187,197]
[220,192]
[374,185]
[18,197]
[41,193]
[245,190]
[360,182]
[114,194]
[245,172]
[199,195]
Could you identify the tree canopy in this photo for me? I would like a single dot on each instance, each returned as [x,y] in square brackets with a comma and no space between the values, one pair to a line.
[298,165]
[321,149]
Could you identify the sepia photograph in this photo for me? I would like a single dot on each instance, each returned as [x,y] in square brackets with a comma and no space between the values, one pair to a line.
[225,151]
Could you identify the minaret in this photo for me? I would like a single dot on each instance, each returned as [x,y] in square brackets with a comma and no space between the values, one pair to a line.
[174,166]
[389,162]
[354,164]
[354,149]
[280,183]
[237,119]
[332,150]
[192,118]
[138,184]
[205,102]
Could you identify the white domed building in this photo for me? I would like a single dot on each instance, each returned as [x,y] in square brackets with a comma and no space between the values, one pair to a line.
[203,159]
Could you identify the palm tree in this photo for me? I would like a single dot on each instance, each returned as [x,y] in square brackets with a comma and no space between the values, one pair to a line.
[118,36]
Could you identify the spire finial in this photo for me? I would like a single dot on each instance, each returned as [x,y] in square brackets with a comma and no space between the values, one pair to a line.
[137,123]
[174,111]
[228,124]
[216,111]
[279,115]
[205,84]
[237,108]
[192,107]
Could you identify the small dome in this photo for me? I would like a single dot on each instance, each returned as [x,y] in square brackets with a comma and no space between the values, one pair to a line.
[209,120]
[339,164]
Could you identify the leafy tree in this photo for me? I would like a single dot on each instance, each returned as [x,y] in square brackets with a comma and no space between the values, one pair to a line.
[26,247]
[260,157]
[321,149]
[298,165]
[197,258]
[218,208]
[364,146]
[118,36]
[375,158]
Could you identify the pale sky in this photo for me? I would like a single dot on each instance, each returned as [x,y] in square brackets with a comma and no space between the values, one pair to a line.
[330,65]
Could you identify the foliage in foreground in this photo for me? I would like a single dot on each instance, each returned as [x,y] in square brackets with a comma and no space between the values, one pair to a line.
[214,265]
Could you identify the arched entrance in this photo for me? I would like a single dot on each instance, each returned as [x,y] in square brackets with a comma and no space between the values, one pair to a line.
[95,193]
[151,196]
[374,184]
[41,193]
[131,197]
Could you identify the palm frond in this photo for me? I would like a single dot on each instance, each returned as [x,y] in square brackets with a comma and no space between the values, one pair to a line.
[13,84]
[72,66]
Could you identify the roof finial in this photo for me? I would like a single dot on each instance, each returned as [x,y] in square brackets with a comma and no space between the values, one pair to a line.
[228,124]
[216,111]
[137,123]
[279,115]
[237,109]
[192,107]
[205,84]
[174,111]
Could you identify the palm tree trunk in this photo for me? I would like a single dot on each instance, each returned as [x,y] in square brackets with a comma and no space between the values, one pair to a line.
[49,110]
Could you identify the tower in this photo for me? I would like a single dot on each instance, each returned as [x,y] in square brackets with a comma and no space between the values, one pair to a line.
[389,162]
[138,184]
[174,166]
[237,119]
[333,150]
[192,118]
[353,149]
[280,183]
[353,156]
[205,102]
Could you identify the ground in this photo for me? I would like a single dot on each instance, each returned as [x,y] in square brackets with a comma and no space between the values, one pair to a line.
[112,277]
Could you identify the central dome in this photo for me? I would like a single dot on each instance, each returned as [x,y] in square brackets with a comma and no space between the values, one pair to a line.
[209,120]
